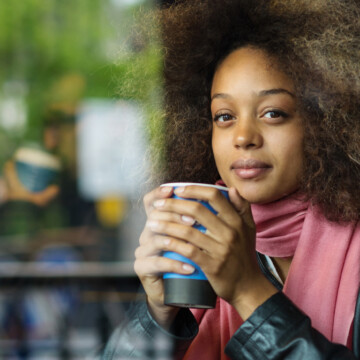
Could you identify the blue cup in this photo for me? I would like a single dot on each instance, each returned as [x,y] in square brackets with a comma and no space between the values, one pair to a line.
[192,290]
[36,168]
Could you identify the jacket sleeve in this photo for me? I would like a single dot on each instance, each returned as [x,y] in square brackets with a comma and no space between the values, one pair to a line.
[140,337]
[279,330]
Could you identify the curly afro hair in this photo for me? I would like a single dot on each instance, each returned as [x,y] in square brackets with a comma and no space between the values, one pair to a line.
[315,42]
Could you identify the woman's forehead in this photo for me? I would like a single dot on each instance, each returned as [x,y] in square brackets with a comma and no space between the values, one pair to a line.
[248,66]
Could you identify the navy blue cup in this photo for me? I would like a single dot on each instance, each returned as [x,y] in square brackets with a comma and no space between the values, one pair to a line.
[192,290]
[36,168]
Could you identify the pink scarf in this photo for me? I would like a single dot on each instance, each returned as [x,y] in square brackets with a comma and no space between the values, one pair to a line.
[324,275]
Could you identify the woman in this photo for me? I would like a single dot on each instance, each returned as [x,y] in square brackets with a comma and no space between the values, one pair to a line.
[263,96]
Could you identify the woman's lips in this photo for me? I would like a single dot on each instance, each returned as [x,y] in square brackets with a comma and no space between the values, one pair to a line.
[249,168]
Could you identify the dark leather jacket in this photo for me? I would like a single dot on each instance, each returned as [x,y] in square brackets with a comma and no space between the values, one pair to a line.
[276,330]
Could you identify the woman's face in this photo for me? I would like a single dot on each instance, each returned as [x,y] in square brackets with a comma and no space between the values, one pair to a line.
[257,136]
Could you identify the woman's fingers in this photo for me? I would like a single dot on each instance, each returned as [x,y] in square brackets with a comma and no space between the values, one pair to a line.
[208,194]
[151,266]
[158,201]
[184,240]
[150,262]
[233,213]
[161,192]
[189,210]
[171,217]
[151,245]
[160,236]
[218,201]
[184,233]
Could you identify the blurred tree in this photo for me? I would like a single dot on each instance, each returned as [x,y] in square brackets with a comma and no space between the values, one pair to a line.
[41,42]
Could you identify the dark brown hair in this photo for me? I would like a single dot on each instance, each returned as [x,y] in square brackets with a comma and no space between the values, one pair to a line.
[316,43]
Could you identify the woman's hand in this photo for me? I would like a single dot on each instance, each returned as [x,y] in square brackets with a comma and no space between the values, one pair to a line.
[149,264]
[225,253]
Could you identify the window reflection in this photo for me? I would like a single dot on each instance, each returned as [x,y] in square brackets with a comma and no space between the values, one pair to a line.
[75,114]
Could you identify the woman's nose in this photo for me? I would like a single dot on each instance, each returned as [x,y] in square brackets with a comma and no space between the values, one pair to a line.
[247,134]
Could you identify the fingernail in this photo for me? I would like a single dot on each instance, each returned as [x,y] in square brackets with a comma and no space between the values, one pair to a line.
[165,189]
[188,219]
[158,203]
[152,224]
[188,268]
[180,189]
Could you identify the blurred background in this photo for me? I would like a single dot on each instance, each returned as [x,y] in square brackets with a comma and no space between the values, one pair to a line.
[80,107]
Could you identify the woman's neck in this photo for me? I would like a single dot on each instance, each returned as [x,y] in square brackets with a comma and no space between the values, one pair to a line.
[282,266]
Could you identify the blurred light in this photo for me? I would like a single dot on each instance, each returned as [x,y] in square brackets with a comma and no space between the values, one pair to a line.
[111,149]
[111,210]
[13,109]
[122,3]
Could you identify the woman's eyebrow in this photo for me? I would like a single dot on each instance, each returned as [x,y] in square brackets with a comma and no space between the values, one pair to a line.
[220,96]
[260,93]
[274,92]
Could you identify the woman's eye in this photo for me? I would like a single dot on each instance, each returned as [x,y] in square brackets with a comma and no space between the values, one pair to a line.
[223,117]
[274,114]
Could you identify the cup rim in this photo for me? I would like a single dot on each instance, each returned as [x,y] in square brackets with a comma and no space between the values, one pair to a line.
[174,184]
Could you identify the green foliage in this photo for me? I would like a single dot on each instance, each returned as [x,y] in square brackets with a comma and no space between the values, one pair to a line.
[43,41]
